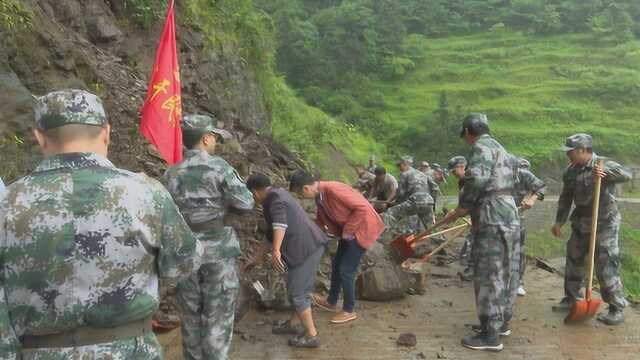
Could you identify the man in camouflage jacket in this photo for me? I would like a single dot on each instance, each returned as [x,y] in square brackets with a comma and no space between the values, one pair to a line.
[487,195]
[83,243]
[577,189]
[205,187]
[414,197]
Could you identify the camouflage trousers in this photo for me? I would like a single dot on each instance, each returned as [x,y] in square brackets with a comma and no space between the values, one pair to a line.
[143,348]
[207,300]
[407,209]
[496,259]
[607,264]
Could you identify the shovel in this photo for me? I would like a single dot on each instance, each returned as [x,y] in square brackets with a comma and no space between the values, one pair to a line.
[412,264]
[405,244]
[585,309]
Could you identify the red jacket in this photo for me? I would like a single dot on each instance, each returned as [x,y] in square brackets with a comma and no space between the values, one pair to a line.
[345,212]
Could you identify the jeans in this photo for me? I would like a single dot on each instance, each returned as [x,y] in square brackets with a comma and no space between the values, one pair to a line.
[344,266]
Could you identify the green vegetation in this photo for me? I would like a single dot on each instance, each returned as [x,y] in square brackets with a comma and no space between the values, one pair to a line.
[405,71]
[145,12]
[301,127]
[312,134]
[14,17]
[535,90]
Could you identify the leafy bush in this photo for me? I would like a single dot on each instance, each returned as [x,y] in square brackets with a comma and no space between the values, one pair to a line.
[145,12]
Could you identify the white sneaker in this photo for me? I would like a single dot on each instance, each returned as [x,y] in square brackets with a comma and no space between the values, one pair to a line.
[521,291]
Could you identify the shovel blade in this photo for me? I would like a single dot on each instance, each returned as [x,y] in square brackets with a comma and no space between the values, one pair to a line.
[582,310]
[403,245]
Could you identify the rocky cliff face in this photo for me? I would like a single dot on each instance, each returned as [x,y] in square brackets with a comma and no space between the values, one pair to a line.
[94,45]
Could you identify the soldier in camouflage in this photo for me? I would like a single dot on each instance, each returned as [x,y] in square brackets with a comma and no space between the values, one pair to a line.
[372,164]
[529,189]
[578,183]
[205,187]
[456,167]
[415,195]
[487,195]
[83,244]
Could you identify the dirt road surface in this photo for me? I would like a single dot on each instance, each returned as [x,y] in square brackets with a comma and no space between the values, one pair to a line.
[439,319]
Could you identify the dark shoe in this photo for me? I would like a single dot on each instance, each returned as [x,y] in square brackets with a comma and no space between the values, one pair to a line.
[614,317]
[504,331]
[563,306]
[284,328]
[304,341]
[466,274]
[482,341]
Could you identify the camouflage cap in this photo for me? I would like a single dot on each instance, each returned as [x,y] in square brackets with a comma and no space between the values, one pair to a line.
[405,159]
[474,121]
[204,124]
[66,107]
[424,164]
[436,166]
[577,141]
[524,163]
[455,161]
[372,158]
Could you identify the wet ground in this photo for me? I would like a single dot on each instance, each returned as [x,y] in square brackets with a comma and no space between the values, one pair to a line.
[439,319]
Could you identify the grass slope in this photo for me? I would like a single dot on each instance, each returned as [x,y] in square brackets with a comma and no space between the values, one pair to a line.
[535,90]
[329,144]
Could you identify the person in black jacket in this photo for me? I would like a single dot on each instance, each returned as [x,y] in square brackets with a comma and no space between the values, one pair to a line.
[297,246]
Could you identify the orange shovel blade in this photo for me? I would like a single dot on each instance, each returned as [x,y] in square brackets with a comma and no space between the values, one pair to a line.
[403,245]
[583,310]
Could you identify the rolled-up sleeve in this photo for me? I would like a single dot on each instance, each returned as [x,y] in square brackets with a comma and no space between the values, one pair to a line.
[278,211]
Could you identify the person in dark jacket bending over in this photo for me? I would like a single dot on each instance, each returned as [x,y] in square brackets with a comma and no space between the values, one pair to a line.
[297,246]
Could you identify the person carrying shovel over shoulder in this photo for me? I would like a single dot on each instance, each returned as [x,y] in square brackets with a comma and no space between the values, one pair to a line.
[578,183]
[487,196]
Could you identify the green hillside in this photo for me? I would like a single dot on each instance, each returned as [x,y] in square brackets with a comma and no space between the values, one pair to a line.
[535,90]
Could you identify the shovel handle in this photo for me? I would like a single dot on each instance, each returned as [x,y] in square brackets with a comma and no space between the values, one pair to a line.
[428,232]
[460,229]
[594,230]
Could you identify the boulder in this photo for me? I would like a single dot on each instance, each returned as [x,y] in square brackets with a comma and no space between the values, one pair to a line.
[381,277]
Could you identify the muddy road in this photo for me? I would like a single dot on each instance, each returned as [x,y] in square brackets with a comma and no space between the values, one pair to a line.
[439,319]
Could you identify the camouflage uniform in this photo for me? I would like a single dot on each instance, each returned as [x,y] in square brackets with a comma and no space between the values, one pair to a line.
[82,244]
[415,197]
[487,192]
[526,184]
[204,186]
[465,251]
[365,182]
[578,182]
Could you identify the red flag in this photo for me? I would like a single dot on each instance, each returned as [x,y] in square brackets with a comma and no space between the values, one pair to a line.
[162,110]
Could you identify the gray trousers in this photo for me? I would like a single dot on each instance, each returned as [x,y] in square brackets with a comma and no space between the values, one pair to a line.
[301,280]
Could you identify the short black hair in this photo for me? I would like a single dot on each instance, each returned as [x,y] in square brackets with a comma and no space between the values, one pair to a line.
[380,170]
[191,138]
[258,181]
[478,129]
[300,179]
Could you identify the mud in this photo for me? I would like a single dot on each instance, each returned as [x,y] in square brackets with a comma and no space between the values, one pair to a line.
[439,319]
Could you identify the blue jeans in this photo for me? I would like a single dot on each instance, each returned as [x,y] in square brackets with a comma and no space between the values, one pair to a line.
[344,266]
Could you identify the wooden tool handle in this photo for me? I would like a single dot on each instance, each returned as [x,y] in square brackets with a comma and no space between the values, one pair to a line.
[460,229]
[594,230]
[429,236]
